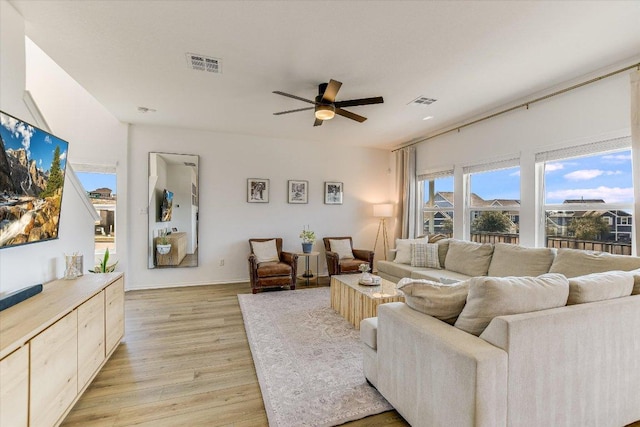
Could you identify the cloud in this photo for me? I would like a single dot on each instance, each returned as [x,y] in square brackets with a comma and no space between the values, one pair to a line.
[617,158]
[608,194]
[516,173]
[584,174]
[63,155]
[47,139]
[19,130]
[552,167]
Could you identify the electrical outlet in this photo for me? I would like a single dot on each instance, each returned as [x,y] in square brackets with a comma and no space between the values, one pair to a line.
[221,262]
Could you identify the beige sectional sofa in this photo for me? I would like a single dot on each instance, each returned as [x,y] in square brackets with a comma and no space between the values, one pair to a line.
[569,365]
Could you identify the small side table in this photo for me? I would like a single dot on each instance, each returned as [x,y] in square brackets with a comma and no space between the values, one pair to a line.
[308,273]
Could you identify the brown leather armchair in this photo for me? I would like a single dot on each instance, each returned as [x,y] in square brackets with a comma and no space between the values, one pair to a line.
[272,274]
[346,266]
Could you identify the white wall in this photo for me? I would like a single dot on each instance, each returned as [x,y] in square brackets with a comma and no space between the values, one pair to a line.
[227,221]
[591,113]
[43,261]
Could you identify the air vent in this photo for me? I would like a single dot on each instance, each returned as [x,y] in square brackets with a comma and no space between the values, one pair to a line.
[204,63]
[422,100]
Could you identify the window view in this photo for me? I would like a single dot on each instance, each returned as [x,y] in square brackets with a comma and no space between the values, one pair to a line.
[100,188]
[588,202]
[437,202]
[494,205]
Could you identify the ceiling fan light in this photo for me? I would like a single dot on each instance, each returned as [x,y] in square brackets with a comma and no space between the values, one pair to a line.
[325,112]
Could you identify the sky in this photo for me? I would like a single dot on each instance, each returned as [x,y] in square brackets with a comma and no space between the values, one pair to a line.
[38,144]
[603,176]
[92,181]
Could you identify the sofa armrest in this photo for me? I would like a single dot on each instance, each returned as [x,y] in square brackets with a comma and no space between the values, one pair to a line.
[391,254]
[435,374]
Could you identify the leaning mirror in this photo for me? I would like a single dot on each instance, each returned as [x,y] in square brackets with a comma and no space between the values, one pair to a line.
[173,210]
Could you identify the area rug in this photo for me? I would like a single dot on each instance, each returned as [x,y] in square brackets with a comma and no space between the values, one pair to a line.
[308,360]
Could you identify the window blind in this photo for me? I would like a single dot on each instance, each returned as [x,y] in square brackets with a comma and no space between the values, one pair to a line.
[585,149]
[435,175]
[490,166]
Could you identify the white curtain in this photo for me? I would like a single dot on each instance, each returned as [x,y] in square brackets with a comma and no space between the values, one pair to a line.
[406,214]
[635,151]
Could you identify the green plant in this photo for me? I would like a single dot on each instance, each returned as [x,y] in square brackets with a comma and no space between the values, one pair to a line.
[103,266]
[491,221]
[163,240]
[308,236]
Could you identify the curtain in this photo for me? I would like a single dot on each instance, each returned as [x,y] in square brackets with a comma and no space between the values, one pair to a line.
[406,214]
[635,153]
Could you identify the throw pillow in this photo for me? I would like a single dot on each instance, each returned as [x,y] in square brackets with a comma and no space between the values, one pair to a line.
[575,262]
[490,297]
[342,247]
[424,255]
[403,250]
[468,258]
[514,260]
[600,286]
[265,251]
[444,302]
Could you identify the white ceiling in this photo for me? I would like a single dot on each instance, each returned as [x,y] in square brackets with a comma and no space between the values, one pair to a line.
[471,56]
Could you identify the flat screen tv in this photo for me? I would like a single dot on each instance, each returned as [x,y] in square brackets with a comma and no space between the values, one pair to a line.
[166,208]
[32,168]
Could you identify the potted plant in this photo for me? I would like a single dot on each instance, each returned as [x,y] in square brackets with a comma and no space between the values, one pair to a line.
[163,246]
[308,237]
[103,266]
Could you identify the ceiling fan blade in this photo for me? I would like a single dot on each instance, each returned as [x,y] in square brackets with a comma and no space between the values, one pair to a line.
[318,122]
[293,111]
[331,91]
[288,95]
[362,101]
[350,115]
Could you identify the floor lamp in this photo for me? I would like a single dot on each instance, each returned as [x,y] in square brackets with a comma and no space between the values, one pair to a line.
[382,211]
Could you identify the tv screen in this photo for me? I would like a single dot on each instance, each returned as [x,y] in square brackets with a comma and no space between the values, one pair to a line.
[167,206]
[32,168]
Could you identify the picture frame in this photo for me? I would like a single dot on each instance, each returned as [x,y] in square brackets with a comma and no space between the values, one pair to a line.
[333,192]
[298,191]
[257,190]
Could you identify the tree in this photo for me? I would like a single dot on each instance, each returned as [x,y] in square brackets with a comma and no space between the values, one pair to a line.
[589,227]
[447,226]
[492,221]
[56,179]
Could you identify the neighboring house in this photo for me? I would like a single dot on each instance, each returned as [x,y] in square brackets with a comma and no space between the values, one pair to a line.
[104,202]
[619,222]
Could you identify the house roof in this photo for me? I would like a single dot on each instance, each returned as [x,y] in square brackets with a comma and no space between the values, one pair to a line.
[473,57]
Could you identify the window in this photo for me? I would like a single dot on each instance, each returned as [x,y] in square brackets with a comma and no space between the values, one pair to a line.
[101,190]
[493,202]
[437,202]
[588,198]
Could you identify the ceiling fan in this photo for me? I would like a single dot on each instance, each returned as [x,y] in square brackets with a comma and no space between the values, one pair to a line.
[325,104]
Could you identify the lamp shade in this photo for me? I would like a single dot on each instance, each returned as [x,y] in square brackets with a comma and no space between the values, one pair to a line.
[383,210]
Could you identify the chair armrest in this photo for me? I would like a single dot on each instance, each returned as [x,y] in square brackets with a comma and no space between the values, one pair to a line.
[333,263]
[253,267]
[290,258]
[364,254]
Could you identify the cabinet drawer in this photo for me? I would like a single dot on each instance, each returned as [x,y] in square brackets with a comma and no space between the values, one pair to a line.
[91,330]
[114,313]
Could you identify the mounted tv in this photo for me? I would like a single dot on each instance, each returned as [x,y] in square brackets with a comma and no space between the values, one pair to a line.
[32,170]
[166,208]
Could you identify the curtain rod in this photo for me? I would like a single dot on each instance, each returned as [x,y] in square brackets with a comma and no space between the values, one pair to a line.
[524,104]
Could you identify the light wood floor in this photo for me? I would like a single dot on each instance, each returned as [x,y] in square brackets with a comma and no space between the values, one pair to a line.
[184,361]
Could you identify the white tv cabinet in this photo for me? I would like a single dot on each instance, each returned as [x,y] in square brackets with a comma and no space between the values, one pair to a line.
[53,345]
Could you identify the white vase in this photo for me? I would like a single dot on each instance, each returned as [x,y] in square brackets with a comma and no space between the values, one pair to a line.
[163,249]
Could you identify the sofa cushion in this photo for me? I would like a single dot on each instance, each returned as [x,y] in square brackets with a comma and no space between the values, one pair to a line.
[444,302]
[443,248]
[442,276]
[600,286]
[342,247]
[349,265]
[403,250]
[468,258]
[424,255]
[636,282]
[514,260]
[274,268]
[369,332]
[490,297]
[575,262]
[265,251]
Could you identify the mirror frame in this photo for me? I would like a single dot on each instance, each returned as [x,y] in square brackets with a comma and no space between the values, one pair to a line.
[173,209]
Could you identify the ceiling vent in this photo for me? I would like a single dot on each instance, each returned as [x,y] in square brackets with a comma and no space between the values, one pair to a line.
[422,100]
[204,63]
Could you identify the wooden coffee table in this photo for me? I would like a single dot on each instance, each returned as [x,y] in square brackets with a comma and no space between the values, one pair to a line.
[355,302]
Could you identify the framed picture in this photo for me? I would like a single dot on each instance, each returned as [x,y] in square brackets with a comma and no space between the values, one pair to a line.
[333,192]
[298,191]
[257,190]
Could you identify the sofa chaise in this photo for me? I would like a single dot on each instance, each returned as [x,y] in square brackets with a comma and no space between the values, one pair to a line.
[567,365]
